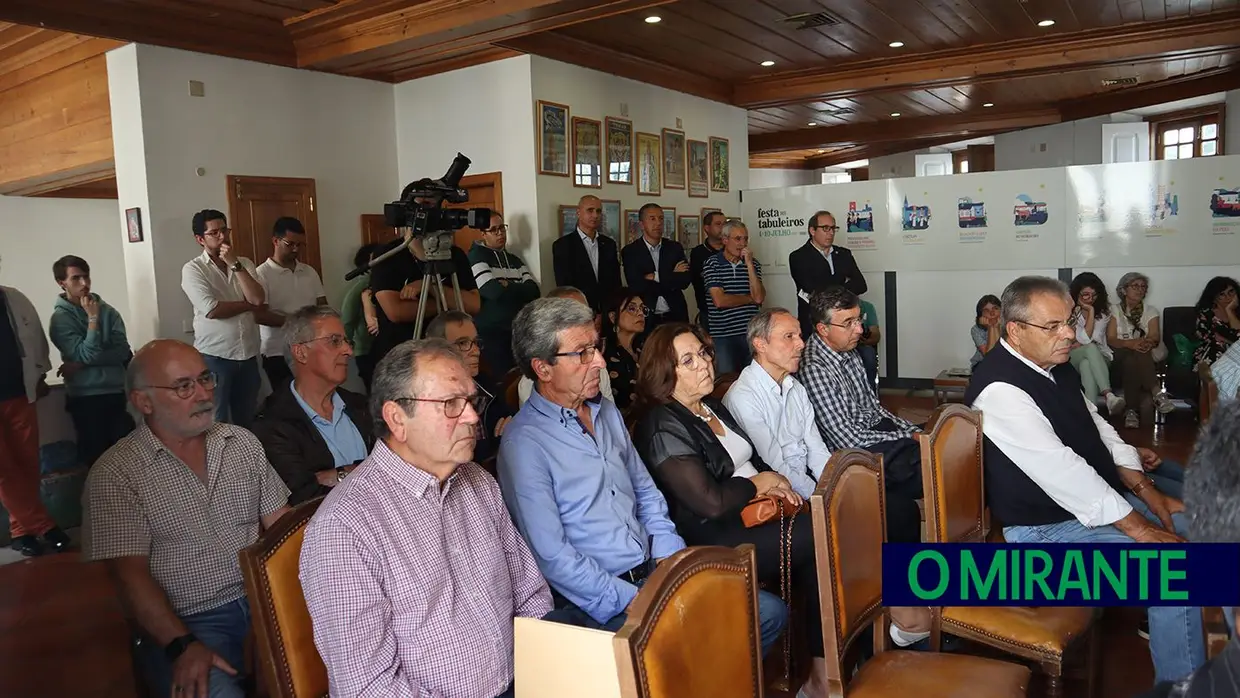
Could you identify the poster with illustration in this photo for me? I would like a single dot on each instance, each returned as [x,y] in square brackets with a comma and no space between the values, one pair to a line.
[1027,211]
[699,169]
[619,150]
[649,164]
[673,159]
[688,231]
[552,138]
[720,165]
[613,219]
[632,226]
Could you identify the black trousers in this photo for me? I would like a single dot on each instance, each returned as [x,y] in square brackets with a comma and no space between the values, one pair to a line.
[100,421]
[365,368]
[278,372]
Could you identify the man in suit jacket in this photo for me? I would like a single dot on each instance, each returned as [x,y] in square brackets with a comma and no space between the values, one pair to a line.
[820,264]
[588,259]
[657,269]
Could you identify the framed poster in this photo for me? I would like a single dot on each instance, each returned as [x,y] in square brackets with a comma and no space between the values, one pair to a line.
[673,159]
[720,163]
[587,153]
[568,220]
[632,226]
[619,151]
[613,219]
[649,164]
[133,222]
[699,169]
[669,222]
[688,231]
[552,139]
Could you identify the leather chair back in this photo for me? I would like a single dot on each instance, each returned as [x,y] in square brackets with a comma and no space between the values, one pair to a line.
[291,664]
[722,383]
[951,467]
[849,530]
[692,630]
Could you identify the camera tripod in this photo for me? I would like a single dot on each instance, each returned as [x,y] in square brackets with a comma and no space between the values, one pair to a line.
[438,249]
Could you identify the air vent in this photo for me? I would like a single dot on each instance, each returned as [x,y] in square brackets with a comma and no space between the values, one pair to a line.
[838,112]
[1119,82]
[810,20]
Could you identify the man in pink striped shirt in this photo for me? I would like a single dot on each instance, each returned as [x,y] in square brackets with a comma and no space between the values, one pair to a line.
[411,568]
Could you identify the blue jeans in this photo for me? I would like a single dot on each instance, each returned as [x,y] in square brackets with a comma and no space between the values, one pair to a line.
[236,389]
[731,354]
[1169,479]
[1177,643]
[223,631]
[869,359]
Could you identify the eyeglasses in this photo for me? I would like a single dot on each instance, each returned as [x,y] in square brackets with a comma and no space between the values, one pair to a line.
[706,355]
[335,341]
[1052,328]
[1139,286]
[851,324]
[466,344]
[186,387]
[832,228]
[290,244]
[453,407]
[586,354]
[497,230]
[635,309]
[217,233]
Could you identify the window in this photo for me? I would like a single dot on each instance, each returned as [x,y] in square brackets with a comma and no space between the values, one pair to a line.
[1192,134]
[960,162]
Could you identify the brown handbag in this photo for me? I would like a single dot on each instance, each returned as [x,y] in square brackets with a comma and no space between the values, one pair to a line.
[764,509]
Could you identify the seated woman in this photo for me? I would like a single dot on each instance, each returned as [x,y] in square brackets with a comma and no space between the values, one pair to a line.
[986,325]
[708,470]
[1092,357]
[1218,325]
[1134,337]
[627,320]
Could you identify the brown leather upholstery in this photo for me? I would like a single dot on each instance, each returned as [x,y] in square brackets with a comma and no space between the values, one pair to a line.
[1044,631]
[722,383]
[292,667]
[692,630]
[849,529]
[508,388]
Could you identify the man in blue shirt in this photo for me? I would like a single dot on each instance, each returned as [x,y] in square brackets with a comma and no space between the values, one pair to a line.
[313,430]
[573,481]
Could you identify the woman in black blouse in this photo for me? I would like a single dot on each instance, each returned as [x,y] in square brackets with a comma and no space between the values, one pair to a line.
[628,320]
[1218,323]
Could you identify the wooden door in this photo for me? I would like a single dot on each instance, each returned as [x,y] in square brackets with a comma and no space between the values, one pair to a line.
[254,204]
[375,230]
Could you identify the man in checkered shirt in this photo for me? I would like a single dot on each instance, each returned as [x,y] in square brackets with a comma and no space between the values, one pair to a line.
[411,568]
[167,509]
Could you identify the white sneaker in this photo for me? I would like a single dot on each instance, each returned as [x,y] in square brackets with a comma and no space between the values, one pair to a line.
[1163,403]
[1131,420]
[904,638]
[1115,404]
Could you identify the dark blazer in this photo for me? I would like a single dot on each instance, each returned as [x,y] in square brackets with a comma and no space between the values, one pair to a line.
[294,445]
[811,272]
[671,284]
[572,268]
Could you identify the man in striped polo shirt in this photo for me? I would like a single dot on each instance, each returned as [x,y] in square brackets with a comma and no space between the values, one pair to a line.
[734,294]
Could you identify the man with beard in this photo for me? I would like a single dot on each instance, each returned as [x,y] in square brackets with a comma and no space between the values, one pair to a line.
[288,285]
[167,509]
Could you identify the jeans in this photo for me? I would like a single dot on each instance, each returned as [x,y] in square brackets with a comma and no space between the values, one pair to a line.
[869,358]
[1177,643]
[99,421]
[223,631]
[731,354]
[1169,479]
[1094,369]
[236,389]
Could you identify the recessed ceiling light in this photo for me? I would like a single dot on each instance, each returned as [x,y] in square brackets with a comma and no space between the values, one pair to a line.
[895,113]
[653,19]
[767,64]
[821,150]
[813,123]
[896,44]
[988,105]
[1046,23]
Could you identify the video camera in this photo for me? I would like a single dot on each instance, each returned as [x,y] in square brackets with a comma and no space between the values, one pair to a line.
[420,205]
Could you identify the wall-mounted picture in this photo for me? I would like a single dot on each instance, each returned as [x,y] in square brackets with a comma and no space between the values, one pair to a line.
[587,153]
[720,164]
[133,221]
[568,220]
[699,168]
[688,231]
[669,222]
[673,159]
[632,227]
[552,138]
[619,151]
[613,219]
[649,164]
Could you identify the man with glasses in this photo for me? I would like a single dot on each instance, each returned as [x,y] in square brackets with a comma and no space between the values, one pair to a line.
[411,568]
[226,296]
[525,386]
[288,285]
[820,264]
[657,269]
[506,285]
[167,509]
[458,329]
[313,430]
[573,481]
[1056,471]
[734,294]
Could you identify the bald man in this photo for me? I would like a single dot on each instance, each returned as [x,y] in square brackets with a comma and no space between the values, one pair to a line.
[588,259]
[167,509]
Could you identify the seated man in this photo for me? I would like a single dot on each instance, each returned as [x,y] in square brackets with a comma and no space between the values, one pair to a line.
[1056,471]
[411,569]
[313,430]
[574,483]
[168,508]
[526,386]
[773,408]
[458,329]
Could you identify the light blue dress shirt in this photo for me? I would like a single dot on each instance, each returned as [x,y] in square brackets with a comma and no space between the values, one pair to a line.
[587,505]
[341,434]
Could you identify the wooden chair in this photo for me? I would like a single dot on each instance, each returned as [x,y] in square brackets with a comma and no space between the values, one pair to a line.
[722,383]
[508,389]
[849,530]
[292,667]
[951,464]
[699,606]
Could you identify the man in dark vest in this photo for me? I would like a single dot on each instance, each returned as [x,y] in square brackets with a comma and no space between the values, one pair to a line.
[1056,471]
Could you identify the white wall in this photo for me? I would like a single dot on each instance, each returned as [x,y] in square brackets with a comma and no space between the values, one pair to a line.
[765,177]
[1057,145]
[898,165]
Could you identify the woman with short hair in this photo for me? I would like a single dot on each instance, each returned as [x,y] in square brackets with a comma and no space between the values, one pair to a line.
[1134,336]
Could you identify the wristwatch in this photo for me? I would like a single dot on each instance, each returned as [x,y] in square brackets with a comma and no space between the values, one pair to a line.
[238,266]
[177,647]
[340,473]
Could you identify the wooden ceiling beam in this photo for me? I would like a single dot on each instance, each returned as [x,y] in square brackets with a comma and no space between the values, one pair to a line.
[1150,94]
[1192,36]
[865,152]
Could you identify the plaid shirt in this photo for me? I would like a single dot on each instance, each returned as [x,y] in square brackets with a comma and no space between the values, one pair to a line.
[845,406]
[412,587]
[141,500]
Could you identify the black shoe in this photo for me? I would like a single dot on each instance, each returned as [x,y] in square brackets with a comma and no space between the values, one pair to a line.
[28,546]
[57,540]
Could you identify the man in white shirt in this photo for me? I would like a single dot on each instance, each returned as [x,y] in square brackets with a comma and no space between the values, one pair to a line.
[773,407]
[226,296]
[1056,471]
[289,287]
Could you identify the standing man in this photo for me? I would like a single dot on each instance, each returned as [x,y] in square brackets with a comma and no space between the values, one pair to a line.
[820,264]
[506,285]
[588,259]
[657,269]
[712,244]
[289,286]
[458,329]
[226,296]
[733,280]
[90,335]
[24,362]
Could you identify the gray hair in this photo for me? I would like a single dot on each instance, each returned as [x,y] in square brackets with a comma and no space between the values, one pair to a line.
[733,224]
[438,327]
[396,376]
[1212,488]
[568,292]
[299,327]
[825,302]
[1127,279]
[536,330]
[1018,296]
[760,324]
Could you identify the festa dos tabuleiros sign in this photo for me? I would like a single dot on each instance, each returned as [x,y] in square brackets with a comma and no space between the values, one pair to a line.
[774,223]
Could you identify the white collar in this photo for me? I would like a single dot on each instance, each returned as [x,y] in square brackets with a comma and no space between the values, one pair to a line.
[652,247]
[826,252]
[759,375]
[586,238]
[1027,362]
